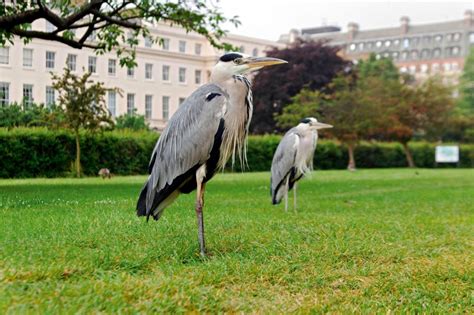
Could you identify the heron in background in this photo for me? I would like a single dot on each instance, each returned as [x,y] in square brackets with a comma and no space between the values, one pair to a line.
[210,127]
[294,158]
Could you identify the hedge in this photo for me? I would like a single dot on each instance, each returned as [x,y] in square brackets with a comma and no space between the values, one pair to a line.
[37,152]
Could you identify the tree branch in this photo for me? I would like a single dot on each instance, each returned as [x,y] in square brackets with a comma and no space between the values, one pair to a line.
[49,36]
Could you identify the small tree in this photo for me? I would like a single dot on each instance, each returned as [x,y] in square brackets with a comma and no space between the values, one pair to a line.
[466,85]
[83,102]
[344,108]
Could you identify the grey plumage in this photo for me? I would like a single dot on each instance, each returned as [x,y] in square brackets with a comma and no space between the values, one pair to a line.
[293,158]
[185,143]
[206,130]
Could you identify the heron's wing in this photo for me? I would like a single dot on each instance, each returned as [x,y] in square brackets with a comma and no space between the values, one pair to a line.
[185,143]
[283,160]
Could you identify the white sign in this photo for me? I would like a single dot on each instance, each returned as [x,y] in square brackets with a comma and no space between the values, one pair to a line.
[447,154]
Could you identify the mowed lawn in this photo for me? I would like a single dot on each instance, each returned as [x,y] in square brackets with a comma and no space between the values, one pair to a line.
[371,240]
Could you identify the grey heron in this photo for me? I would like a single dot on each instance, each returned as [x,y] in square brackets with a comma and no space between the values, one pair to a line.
[210,127]
[294,158]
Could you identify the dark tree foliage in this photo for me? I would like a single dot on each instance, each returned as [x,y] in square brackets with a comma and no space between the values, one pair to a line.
[310,64]
[118,25]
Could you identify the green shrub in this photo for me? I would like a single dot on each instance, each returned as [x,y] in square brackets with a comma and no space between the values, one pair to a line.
[39,152]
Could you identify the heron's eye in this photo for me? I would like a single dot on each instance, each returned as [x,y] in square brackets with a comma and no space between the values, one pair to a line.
[238,61]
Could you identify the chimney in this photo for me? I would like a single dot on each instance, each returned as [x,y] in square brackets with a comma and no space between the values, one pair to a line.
[352,29]
[404,24]
[294,35]
[468,18]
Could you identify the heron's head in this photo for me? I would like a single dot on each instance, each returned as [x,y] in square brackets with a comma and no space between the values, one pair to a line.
[235,63]
[312,123]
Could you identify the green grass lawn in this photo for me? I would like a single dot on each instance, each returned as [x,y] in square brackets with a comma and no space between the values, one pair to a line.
[372,240]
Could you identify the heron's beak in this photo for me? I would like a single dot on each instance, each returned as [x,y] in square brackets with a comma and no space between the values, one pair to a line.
[256,63]
[320,125]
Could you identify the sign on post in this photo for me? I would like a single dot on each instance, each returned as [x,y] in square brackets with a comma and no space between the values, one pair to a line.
[447,154]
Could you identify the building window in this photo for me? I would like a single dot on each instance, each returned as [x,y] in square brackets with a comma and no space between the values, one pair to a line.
[436,53]
[197,49]
[455,66]
[406,42]
[370,45]
[361,46]
[166,73]
[166,108]
[352,47]
[395,55]
[455,51]
[378,44]
[405,55]
[4,93]
[50,56]
[112,67]
[148,106]
[27,95]
[412,69]
[425,54]
[426,39]
[255,52]
[414,54]
[197,76]
[181,100]
[424,68]
[112,102]
[414,41]
[447,66]
[438,38]
[471,38]
[377,56]
[456,37]
[435,67]
[27,57]
[50,97]
[165,42]
[386,54]
[131,72]
[403,69]
[148,42]
[182,75]
[182,46]
[4,55]
[387,43]
[148,71]
[130,103]
[396,42]
[92,64]
[71,62]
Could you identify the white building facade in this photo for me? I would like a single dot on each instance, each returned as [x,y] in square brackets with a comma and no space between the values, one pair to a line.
[164,76]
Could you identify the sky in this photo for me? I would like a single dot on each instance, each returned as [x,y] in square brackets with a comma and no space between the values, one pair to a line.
[268,19]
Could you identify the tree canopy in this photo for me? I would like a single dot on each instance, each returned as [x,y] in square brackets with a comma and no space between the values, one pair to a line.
[113,23]
[310,64]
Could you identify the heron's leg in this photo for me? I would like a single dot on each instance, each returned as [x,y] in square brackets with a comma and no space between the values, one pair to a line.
[287,187]
[199,214]
[294,196]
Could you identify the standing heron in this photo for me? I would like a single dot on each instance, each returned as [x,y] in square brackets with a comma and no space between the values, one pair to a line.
[294,158]
[207,129]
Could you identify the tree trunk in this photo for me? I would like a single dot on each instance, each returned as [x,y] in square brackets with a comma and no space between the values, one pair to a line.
[408,155]
[352,164]
[78,156]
